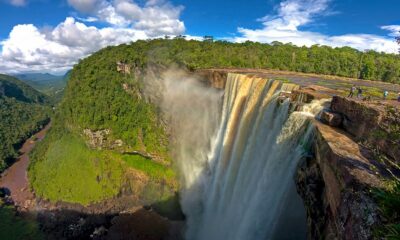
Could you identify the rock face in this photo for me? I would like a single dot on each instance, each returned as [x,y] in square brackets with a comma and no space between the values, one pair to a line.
[375,123]
[312,92]
[214,79]
[336,185]
[99,139]
[331,118]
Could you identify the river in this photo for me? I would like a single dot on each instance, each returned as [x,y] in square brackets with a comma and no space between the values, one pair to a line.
[15,178]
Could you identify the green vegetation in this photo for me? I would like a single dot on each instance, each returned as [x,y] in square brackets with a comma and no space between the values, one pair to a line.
[13,227]
[97,97]
[154,170]
[23,111]
[345,61]
[389,203]
[64,168]
[73,173]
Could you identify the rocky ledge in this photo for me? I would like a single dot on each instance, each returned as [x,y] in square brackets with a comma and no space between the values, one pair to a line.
[336,183]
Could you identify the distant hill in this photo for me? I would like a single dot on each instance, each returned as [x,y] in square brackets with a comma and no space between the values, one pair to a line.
[23,111]
[12,87]
[52,85]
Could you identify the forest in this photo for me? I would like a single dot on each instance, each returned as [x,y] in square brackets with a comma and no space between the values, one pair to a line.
[344,61]
[23,111]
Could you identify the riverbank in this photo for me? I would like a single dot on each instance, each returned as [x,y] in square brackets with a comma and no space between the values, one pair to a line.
[41,219]
[14,180]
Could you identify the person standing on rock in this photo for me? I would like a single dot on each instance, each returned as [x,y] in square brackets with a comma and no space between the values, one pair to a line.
[385,94]
[352,91]
[359,94]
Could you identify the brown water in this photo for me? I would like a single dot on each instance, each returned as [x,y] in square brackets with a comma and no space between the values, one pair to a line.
[15,178]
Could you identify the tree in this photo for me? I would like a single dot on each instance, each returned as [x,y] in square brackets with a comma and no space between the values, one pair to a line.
[398,40]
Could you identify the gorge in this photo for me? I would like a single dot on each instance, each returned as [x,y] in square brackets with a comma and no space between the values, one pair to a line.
[167,152]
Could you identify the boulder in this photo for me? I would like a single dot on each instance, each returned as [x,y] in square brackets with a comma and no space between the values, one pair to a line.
[331,118]
[312,92]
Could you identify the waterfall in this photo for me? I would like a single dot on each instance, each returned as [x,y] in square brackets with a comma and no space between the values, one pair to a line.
[242,188]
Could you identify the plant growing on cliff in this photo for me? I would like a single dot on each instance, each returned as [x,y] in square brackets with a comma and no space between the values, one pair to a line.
[389,204]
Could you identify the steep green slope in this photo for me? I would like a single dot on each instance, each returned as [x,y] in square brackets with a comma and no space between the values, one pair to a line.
[83,175]
[95,100]
[12,87]
[23,111]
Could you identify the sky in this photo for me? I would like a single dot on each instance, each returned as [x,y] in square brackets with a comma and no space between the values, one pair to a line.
[52,35]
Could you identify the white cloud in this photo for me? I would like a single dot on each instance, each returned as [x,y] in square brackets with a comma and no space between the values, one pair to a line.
[292,14]
[88,19]
[31,49]
[156,17]
[394,29]
[17,3]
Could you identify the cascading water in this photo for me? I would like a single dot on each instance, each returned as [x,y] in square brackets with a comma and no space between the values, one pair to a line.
[242,189]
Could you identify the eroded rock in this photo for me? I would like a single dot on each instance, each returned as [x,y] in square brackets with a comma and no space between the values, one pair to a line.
[376,123]
[100,139]
[331,118]
[335,187]
[214,79]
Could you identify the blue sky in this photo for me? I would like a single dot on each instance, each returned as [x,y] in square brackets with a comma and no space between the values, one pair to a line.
[50,36]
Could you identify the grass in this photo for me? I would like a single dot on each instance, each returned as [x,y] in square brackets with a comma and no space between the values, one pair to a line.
[13,227]
[154,170]
[283,80]
[373,92]
[71,172]
[160,191]
[389,204]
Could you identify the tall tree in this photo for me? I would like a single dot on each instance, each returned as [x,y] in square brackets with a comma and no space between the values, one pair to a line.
[398,40]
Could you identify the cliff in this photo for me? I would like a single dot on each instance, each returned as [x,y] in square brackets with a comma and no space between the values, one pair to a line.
[336,184]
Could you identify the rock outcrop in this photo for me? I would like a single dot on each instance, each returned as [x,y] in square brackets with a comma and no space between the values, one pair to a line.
[214,79]
[374,123]
[100,139]
[331,118]
[312,92]
[336,184]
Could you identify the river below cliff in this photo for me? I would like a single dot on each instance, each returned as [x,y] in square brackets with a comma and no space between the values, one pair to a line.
[15,179]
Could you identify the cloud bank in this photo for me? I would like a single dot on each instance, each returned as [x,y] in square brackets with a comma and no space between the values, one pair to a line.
[29,48]
[293,14]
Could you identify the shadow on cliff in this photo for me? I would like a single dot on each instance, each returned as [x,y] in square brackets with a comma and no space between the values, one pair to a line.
[377,164]
[161,220]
